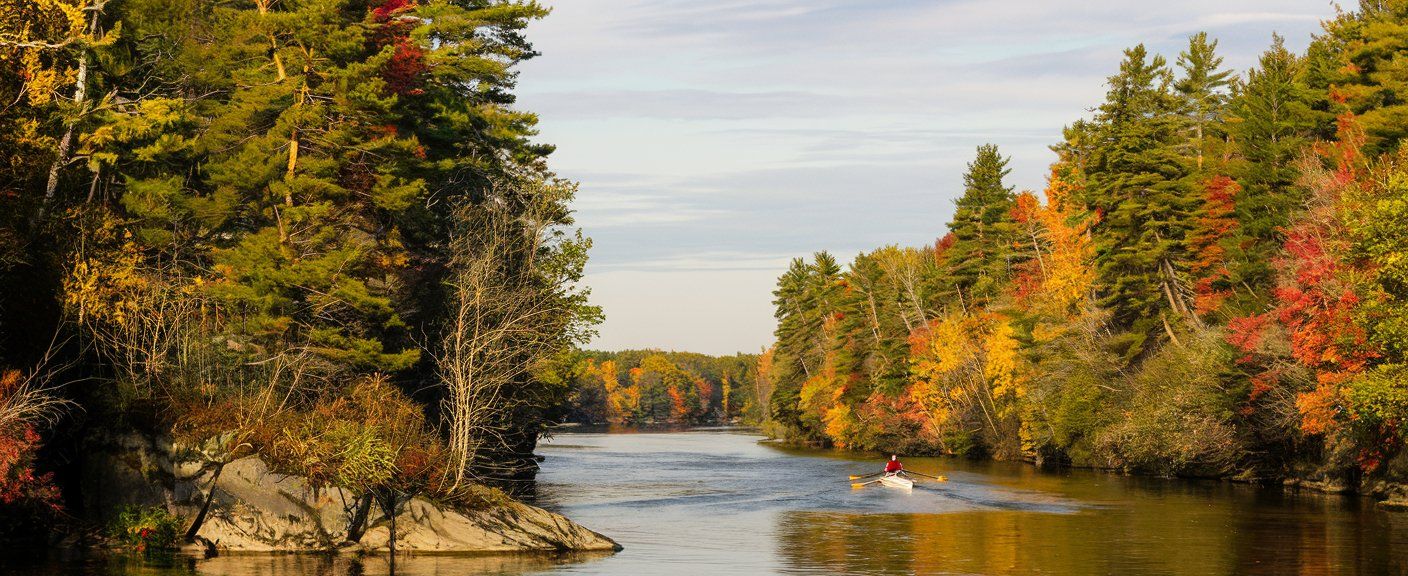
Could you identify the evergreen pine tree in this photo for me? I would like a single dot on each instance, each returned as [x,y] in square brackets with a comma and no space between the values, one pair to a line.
[1271,123]
[1357,66]
[979,260]
[334,143]
[790,361]
[874,333]
[1139,181]
[1203,88]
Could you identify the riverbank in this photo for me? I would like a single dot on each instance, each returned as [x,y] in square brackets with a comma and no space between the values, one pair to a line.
[142,491]
[1388,494]
[725,503]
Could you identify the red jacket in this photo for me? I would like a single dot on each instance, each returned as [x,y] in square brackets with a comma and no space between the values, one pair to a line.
[893,466]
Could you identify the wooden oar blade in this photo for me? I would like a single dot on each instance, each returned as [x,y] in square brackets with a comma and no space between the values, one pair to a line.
[923,475]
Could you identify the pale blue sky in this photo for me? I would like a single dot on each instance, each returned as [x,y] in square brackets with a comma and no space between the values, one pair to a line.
[714,141]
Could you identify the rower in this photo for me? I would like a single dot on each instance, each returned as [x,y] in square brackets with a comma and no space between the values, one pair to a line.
[893,466]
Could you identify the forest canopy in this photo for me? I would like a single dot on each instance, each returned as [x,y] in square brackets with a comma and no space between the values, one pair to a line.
[319,231]
[653,387]
[1212,283]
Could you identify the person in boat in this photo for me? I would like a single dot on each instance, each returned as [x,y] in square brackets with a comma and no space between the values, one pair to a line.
[894,465]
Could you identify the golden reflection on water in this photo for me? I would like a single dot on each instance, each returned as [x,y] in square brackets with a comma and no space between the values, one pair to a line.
[1175,536]
[721,504]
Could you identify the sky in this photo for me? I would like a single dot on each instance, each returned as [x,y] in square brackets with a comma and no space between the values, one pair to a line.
[714,141]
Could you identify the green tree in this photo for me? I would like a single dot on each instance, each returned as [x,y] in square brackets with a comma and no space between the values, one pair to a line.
[1139,180]
[1204,90]
[1357,66]
[982,227]
[316,175]
[874,323]
[805,302]
[1271,121]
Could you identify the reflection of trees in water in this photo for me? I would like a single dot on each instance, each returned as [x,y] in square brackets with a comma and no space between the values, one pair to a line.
[1314,535]
[1176,536]
[826,542]
[380,565]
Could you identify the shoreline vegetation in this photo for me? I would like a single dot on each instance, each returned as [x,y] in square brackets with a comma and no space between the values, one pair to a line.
[655,388]
[248,246]
[1211,285]
[297,276]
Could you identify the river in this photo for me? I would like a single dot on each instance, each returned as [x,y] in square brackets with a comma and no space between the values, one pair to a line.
[722,502]
[725,503]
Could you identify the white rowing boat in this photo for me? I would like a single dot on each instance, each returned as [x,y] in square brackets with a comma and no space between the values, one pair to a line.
[897,481]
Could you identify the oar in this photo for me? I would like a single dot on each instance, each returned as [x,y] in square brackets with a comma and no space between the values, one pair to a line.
[921,474]
[863,484]
[859,476]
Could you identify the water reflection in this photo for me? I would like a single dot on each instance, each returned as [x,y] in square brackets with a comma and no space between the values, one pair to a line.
[722,504]
[304,565]
[1175,535]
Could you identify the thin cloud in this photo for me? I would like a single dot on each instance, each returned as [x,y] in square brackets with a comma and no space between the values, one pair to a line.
[688,104]
[714,141]
[703,261]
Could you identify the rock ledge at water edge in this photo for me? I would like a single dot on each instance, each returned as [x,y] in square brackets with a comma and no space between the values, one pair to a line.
[255,509]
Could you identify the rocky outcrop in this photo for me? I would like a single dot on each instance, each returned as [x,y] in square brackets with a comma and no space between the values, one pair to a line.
[125,470]
[1391,495]
[1322,485]
[256,509]
[513,527]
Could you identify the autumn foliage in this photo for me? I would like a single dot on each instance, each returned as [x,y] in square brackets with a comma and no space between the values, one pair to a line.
[1214,283]
[1215,227]
[28,498]
[646,387]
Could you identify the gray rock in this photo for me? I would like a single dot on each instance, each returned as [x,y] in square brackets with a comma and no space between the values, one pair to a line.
[514,527]
[126,470]
[255,509]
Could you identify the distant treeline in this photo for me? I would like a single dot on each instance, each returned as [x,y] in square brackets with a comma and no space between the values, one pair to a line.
[654,387]
[1215,283]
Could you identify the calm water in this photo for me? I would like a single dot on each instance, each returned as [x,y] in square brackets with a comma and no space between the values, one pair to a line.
[721,503]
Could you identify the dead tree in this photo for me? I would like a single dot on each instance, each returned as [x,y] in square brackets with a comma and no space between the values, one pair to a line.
[509,311]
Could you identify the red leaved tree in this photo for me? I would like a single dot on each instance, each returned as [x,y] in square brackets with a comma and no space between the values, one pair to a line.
[1207,242]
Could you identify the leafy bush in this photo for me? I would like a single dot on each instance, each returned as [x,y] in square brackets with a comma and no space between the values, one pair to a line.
[1179,417]
[146,528]
[29,500]
[1379,401]
[481,496]
[367,437]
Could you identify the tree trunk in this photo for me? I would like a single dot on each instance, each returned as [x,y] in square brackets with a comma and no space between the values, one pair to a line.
[1036,246]
[358,526]
[1169,330]
[80,95]
[205,508]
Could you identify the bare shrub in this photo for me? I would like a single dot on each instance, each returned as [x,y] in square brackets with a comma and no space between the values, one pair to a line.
[512,307]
